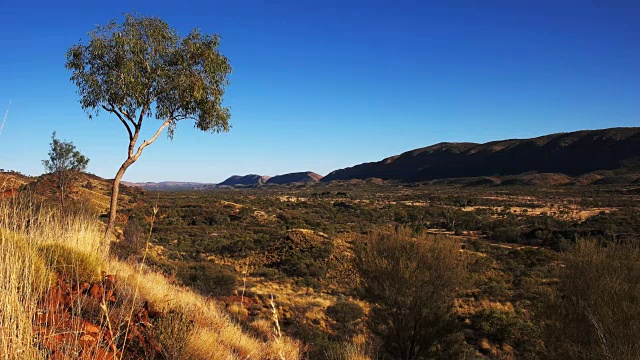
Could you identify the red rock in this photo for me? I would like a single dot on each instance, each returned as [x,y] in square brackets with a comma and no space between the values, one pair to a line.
[110,281]
[96,291]
[89,328]
[108,295]
[87,340]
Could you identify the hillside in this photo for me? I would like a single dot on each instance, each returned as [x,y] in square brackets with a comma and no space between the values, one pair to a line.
[11,181]
[245,180]
[170,185]
[297,177]
[572,154]
[88,188]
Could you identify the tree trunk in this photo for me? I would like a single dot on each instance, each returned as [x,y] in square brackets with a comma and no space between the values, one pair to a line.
[114,196]
[62,194]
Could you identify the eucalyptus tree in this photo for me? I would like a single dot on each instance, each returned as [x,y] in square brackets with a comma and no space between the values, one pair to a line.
[64,162]
[141,69]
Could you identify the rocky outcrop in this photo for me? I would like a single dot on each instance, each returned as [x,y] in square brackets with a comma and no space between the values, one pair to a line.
[297,177]
[246,180]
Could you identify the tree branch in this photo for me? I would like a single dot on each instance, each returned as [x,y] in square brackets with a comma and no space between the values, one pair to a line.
[153,138]
[127,115]
[112,110]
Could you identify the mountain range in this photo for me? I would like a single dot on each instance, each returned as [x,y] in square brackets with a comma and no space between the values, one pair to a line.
[580,157]
[572,154]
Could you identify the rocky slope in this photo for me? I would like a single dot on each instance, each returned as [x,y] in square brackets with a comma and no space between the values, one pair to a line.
[297,177]
[245,180]
[572,154]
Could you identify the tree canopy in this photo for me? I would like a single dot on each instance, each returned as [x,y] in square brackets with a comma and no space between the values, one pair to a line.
[142,68]
[65,161]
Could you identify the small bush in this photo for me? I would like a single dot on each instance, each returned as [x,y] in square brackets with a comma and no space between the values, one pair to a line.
[345,311]
[507,234]
[134,242]
[208,278]
[498,325]
[72,263]
[411,281]
[172,331]
[595,313]
[268,273]
[348,316]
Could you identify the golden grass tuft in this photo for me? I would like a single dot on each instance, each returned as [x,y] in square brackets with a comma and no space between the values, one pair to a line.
[75,265]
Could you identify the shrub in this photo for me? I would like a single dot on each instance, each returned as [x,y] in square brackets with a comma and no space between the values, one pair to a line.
[412,283]
[268,273]
[208,278]
[497,324]
[72,263]
[345,311]
[172,331]
[506,234]
[348,316]
[595,314]
[303,254]
[134,242]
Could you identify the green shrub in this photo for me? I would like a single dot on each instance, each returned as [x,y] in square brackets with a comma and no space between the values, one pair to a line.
[348,316]
[208,278]
[412,282]
[498,325]
[345,311]
[595,313]
[268,273]
[133,244]
[507,234]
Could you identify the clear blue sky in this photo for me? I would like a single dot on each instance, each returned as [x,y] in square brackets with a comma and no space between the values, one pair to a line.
[321,85]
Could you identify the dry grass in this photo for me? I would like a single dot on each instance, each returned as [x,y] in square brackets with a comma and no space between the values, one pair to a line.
[26,275]
[213,326]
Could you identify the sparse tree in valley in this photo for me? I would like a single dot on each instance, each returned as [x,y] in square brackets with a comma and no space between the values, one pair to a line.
[412,282]
[142,68]
[596,312]
[65,162]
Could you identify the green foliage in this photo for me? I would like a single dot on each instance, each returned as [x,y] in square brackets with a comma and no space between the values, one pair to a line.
[348,316]
[303,255]
[127,67]
[65,162]
[268,273]
[506,234]
[497,324]
[412,283]
[73,264]
[142,68]
[208,278]
[133,244]
[194,224]
[345,311]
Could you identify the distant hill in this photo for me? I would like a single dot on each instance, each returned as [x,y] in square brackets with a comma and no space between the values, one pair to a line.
[170,185]
[297,177]
[86,187]
[571,154]
[245,180]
